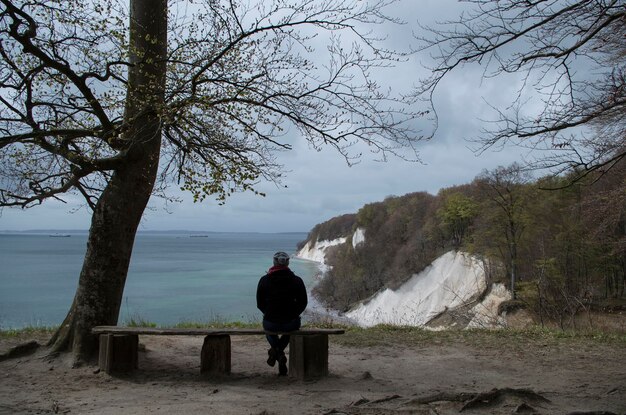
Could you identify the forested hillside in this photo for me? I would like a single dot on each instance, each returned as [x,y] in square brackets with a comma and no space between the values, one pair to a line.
[559,244]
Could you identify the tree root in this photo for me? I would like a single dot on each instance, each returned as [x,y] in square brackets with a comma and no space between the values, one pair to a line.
[20,350]
[496,395]
[481,401]
[444,396]
[61,340]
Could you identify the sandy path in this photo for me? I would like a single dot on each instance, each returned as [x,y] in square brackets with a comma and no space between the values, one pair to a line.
[573,376]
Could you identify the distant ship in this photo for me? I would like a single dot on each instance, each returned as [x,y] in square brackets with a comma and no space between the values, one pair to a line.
[59,235]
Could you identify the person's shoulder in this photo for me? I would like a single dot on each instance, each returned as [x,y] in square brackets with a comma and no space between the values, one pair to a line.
[293,274]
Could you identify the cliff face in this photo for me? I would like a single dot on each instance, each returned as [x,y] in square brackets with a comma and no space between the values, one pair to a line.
[390,264]
[448,290]
[451,292]
[316,250]
[450,281]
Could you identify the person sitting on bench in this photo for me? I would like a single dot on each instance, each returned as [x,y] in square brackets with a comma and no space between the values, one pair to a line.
[281,297]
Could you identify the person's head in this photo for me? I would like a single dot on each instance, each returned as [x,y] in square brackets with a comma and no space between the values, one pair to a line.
[281,258]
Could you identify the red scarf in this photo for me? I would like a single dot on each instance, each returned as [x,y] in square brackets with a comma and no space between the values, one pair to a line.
[277,268]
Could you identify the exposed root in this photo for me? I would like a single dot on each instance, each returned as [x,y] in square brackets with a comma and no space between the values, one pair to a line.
[450,400]
[61,340]
[496,395]
[20,350]
[386,399]
[445,396]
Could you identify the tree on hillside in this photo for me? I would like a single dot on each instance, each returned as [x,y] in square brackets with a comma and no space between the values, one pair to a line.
[200,96]
[506,191]
[456,216]
[604,220]
[572,58]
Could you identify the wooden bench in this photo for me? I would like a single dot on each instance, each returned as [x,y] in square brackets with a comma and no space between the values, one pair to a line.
[308,348]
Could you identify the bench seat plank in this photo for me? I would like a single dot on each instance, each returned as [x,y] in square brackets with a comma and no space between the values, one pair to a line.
[205,331]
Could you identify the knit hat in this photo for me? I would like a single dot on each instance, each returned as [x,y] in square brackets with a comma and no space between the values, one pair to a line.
[281,258]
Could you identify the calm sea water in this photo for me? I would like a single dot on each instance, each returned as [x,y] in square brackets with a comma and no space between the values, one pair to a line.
[172,277]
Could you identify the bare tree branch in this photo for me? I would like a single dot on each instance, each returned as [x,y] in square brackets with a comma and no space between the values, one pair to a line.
[243,81]
[573,58]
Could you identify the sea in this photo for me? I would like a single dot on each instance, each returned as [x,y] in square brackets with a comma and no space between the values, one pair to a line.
[174,277]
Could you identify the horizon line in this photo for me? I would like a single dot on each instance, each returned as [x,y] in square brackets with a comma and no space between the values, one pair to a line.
[47,230]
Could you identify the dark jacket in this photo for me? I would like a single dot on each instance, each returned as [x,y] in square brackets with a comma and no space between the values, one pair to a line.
[281,296]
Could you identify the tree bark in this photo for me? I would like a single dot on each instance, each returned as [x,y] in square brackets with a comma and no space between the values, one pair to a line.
[121,205]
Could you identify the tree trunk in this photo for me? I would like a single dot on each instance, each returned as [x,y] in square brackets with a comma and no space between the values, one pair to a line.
[121,205]
[513,268]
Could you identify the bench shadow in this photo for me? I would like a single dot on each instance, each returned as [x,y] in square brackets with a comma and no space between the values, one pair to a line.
[156,366]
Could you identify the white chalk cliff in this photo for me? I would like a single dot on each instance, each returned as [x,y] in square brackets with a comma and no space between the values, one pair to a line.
[358,238]
[316,251]
[448,282]
[455,280]
[485,314]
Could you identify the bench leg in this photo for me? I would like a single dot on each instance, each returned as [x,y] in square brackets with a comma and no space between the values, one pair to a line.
[215,357]
[308,356]
[118,352]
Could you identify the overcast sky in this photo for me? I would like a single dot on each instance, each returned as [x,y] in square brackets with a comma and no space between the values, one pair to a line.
[320,185]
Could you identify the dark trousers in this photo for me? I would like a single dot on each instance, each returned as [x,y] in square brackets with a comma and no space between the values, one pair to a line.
[280,343]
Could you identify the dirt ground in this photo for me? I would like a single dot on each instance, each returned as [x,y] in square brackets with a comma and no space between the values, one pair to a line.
[379,372]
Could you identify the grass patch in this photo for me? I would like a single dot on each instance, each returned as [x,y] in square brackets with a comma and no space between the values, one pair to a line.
[27,332]
[387,335]
[217,325]
[139,322]
[384,335]
[214,321]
